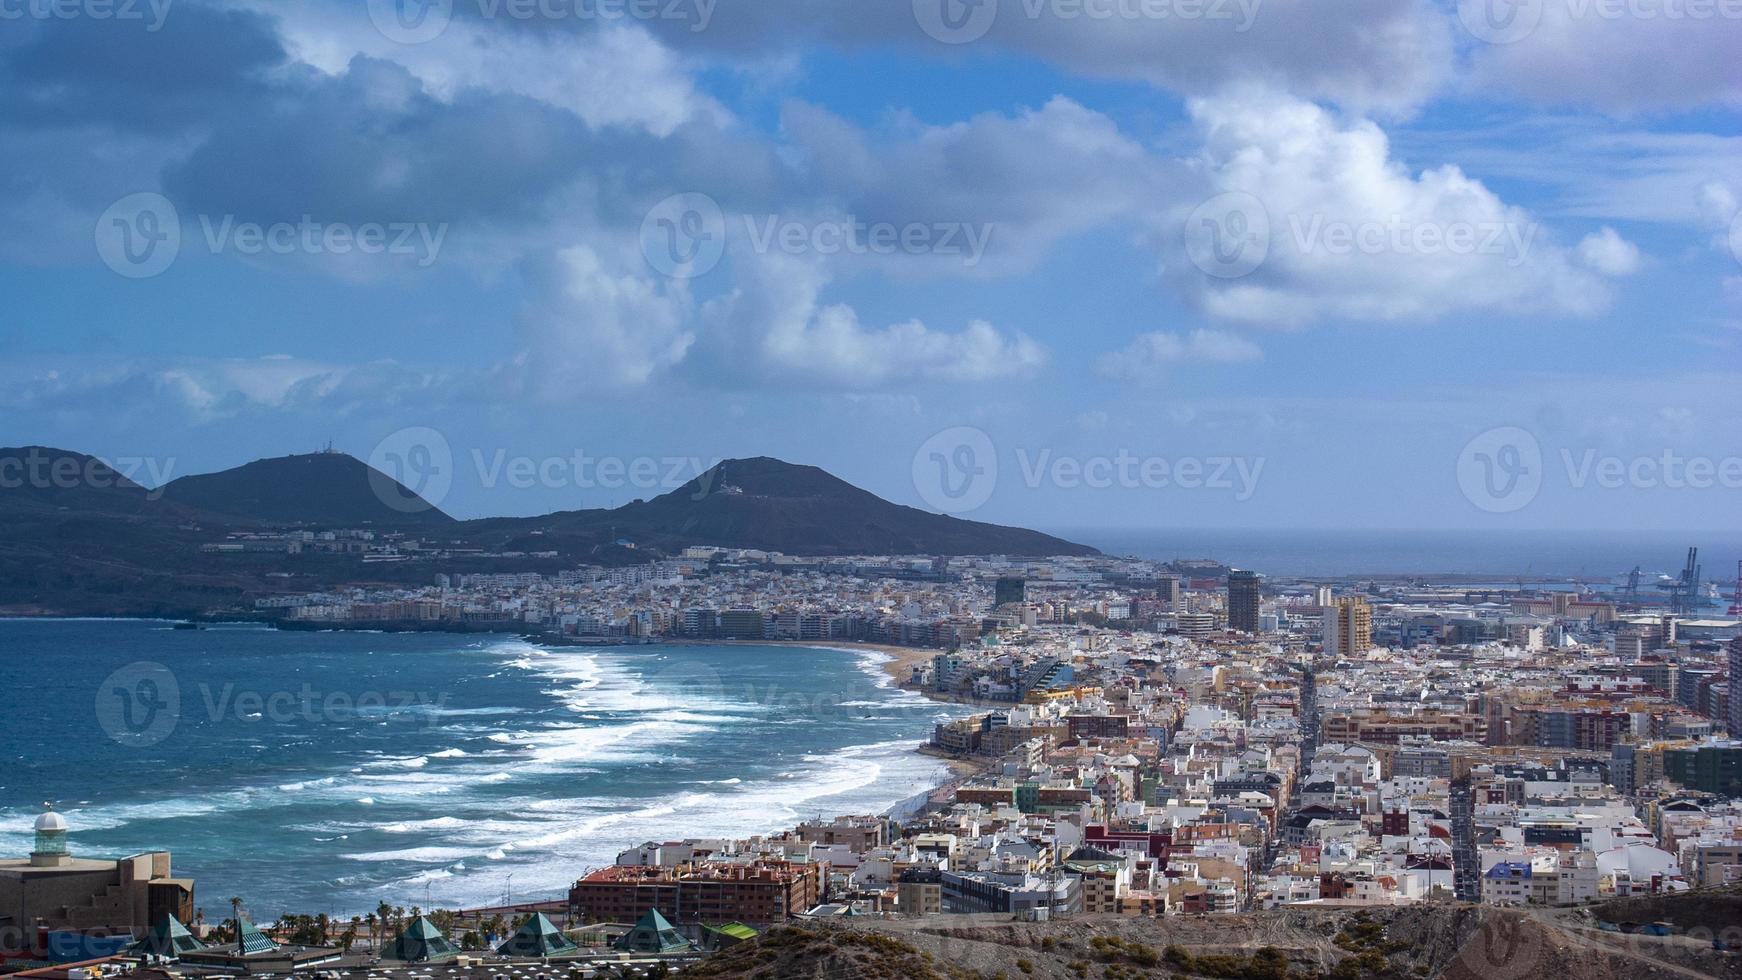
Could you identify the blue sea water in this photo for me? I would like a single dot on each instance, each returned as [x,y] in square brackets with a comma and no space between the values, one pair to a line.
[311,772]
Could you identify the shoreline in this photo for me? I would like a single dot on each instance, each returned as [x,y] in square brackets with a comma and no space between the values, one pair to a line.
[889,665]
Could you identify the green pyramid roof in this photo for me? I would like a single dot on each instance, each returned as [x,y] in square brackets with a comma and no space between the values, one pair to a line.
[537,936]
[654,934]
[167,938]
[420,942]
[251,940]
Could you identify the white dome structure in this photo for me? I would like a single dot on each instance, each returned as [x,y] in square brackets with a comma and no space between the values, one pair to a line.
[51,821]
[51,840]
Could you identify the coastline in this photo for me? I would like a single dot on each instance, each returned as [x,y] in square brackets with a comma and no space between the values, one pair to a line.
[889,666]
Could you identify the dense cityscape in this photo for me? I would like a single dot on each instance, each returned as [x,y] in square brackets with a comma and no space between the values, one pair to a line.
[871,489]
[1143,739]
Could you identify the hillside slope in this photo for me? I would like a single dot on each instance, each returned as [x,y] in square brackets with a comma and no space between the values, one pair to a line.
[773,505]
[1456,941]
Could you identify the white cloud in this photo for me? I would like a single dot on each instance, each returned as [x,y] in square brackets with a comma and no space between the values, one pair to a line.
[1151,354]
[614,75]
[1607,252]
[774,326]
[1351,232]
[586,326]
[1023,181]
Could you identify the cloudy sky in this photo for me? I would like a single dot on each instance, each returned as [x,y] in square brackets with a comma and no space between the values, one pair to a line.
[1227,263]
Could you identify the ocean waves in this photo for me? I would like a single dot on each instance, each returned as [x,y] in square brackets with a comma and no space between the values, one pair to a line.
[533,763]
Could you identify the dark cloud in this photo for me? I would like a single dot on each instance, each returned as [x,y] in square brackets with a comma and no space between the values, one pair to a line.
[200,63]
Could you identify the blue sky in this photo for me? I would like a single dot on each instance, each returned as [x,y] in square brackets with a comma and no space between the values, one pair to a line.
[1062,192]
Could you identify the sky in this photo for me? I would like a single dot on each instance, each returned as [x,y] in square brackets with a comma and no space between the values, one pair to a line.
[1063,263]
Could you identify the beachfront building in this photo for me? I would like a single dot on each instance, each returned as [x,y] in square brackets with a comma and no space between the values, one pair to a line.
[706,892]
[56,896]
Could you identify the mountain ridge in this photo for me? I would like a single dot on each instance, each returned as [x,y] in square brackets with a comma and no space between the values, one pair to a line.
[91,541]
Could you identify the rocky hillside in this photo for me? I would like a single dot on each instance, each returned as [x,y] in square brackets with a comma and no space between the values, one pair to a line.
[1462,942]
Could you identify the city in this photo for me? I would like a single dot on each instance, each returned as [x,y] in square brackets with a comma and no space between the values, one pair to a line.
[1142,739]
[871,489]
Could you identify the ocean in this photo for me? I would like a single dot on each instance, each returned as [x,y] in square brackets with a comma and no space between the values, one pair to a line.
[1504,554]
[328,772]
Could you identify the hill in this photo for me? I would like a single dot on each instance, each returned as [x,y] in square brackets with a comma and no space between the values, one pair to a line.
[79,538]
[772,505]
[1452,940]
[45,480]
[324,489]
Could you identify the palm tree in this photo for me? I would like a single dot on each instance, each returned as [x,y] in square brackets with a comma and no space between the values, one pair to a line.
[371,919]
[236,915]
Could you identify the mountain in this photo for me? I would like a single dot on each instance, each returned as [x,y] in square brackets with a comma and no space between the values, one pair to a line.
[773,505]
[79,538]
[326,489]
[40,479]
